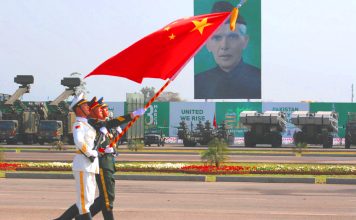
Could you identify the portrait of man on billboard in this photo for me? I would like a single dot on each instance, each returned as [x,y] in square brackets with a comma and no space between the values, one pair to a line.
[231,77]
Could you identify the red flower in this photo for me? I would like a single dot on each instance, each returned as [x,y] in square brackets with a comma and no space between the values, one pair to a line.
[9,166]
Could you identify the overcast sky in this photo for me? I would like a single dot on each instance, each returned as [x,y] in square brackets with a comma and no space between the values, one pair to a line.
[308,47]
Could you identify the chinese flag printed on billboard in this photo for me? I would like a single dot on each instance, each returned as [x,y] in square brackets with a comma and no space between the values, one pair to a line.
[163,53]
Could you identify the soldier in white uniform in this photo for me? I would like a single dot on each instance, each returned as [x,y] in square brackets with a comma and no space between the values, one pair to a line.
[85,162]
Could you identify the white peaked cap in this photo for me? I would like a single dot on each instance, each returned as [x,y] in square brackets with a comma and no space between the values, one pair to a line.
[76,100]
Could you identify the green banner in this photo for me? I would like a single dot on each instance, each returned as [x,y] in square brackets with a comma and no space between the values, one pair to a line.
[341,108]
[157,117]
[230,112]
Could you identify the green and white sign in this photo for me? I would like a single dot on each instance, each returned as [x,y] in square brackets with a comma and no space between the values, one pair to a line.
[157,117]
[191,113]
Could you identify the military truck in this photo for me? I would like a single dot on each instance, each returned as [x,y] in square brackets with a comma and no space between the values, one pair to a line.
[19,121]
[315,128]
[8,131]
[350,132]
[185,134]
[202,133]
[154,136]
[50,131]
[56,118]
[263,128]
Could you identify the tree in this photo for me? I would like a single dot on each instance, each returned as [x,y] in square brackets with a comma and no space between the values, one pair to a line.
[169,97]
[148,93]
[216,153]
[82,87]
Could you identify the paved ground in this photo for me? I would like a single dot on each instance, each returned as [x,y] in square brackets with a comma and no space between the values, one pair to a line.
[57,156]
[181,147]
[149,200]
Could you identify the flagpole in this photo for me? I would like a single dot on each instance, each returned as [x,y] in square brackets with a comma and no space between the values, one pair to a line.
[137,117]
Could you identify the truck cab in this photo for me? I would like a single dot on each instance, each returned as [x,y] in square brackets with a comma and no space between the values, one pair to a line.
[154,136]
[50,131]
[9,131]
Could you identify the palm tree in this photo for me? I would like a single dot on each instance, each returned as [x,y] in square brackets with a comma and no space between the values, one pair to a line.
[216,153]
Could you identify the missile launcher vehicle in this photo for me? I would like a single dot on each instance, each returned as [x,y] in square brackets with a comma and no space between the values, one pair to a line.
[350,132]
[19,121]
[202,133]
[56,117]
[263,128]
[315,128]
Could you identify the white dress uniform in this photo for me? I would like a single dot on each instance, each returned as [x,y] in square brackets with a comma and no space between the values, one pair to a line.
[83,169]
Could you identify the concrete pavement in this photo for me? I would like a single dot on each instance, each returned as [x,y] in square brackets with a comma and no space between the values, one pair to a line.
[152,200]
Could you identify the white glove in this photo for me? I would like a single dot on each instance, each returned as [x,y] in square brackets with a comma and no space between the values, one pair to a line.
[138,112]
[109,150]
[93,153]
[104,130]
[119,130]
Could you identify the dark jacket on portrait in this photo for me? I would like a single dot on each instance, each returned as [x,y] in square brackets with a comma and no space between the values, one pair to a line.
[243,82]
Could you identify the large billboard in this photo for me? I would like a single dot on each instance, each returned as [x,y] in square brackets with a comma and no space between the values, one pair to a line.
[229,65]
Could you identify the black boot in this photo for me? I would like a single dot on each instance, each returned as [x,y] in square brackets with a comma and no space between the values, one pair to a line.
[96,207]
[108,215]
[86,216]
[70,213]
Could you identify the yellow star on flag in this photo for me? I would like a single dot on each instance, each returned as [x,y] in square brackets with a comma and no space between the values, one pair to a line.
[200,25]
[172,36]
[167,28]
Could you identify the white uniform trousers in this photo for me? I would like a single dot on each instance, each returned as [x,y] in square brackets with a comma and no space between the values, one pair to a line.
[85,185]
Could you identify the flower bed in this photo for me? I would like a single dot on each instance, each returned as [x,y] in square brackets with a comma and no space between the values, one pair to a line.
[207,169]
[9,166]
[291,169]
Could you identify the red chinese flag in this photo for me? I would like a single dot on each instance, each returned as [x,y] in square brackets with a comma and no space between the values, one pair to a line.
[163,53]
[214,122]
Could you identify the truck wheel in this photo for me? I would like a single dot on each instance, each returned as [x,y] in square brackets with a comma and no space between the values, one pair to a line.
[25,140]
[158,144]
[30,140]
[70,140]
[331,141]
[347,142]
[347,145]
[298,138]
[41,142]
[276,140]
[327,141]
[248,139]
